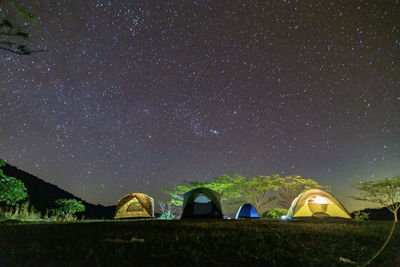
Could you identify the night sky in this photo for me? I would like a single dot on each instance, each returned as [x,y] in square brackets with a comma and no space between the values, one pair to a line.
[132,96]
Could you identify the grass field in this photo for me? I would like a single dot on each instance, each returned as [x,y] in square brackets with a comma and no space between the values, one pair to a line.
[197,243]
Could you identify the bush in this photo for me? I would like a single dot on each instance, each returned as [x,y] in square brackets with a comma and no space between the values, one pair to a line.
[361,216]
[68,207]
[274,213]
[167,210]
[168,215]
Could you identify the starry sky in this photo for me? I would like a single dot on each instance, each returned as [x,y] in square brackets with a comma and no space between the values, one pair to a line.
[133,96]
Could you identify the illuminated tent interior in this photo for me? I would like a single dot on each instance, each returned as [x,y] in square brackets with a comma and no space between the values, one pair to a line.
[201,203]
[135,205]
[317,203]
[247,211]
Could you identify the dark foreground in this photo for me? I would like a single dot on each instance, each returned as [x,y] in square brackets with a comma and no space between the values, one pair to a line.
[197,243]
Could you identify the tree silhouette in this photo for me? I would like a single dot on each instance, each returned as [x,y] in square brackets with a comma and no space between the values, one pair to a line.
[12,38]
[385,192]
[292,186]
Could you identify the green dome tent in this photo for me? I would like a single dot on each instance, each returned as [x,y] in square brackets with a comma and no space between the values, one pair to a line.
[317,203]
[201,203]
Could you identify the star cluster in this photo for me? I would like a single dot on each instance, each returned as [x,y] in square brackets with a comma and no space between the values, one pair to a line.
[132,96]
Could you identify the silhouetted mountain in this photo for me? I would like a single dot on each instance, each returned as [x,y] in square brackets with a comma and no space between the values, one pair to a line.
[42,194]
[378,214]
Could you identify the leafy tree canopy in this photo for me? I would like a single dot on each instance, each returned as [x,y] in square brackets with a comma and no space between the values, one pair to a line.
[177,192]
[225,185]
[12,190]
[256,190]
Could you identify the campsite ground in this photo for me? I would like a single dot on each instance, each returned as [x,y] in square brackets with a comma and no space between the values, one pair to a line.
[236,242]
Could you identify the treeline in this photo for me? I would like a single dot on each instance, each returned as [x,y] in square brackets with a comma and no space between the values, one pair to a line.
[259,191]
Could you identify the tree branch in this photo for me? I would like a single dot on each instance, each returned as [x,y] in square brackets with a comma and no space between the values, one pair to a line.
[21,52]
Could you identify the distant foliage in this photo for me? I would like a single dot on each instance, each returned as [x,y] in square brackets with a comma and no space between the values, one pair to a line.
[274,213]
[12,190]
[361,216]
[68,207]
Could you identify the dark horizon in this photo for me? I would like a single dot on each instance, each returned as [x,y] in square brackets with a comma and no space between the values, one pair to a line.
[133,97]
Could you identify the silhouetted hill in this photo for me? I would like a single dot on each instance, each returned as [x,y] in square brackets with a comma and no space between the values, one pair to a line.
[42,194]
[378,214]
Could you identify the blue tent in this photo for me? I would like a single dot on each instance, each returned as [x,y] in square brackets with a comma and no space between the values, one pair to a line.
[247,211]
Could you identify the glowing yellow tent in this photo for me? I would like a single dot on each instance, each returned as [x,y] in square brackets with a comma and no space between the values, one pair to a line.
[318,203]
[135,205]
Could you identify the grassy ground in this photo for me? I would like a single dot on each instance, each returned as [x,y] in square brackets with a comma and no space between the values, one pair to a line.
[198,243]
